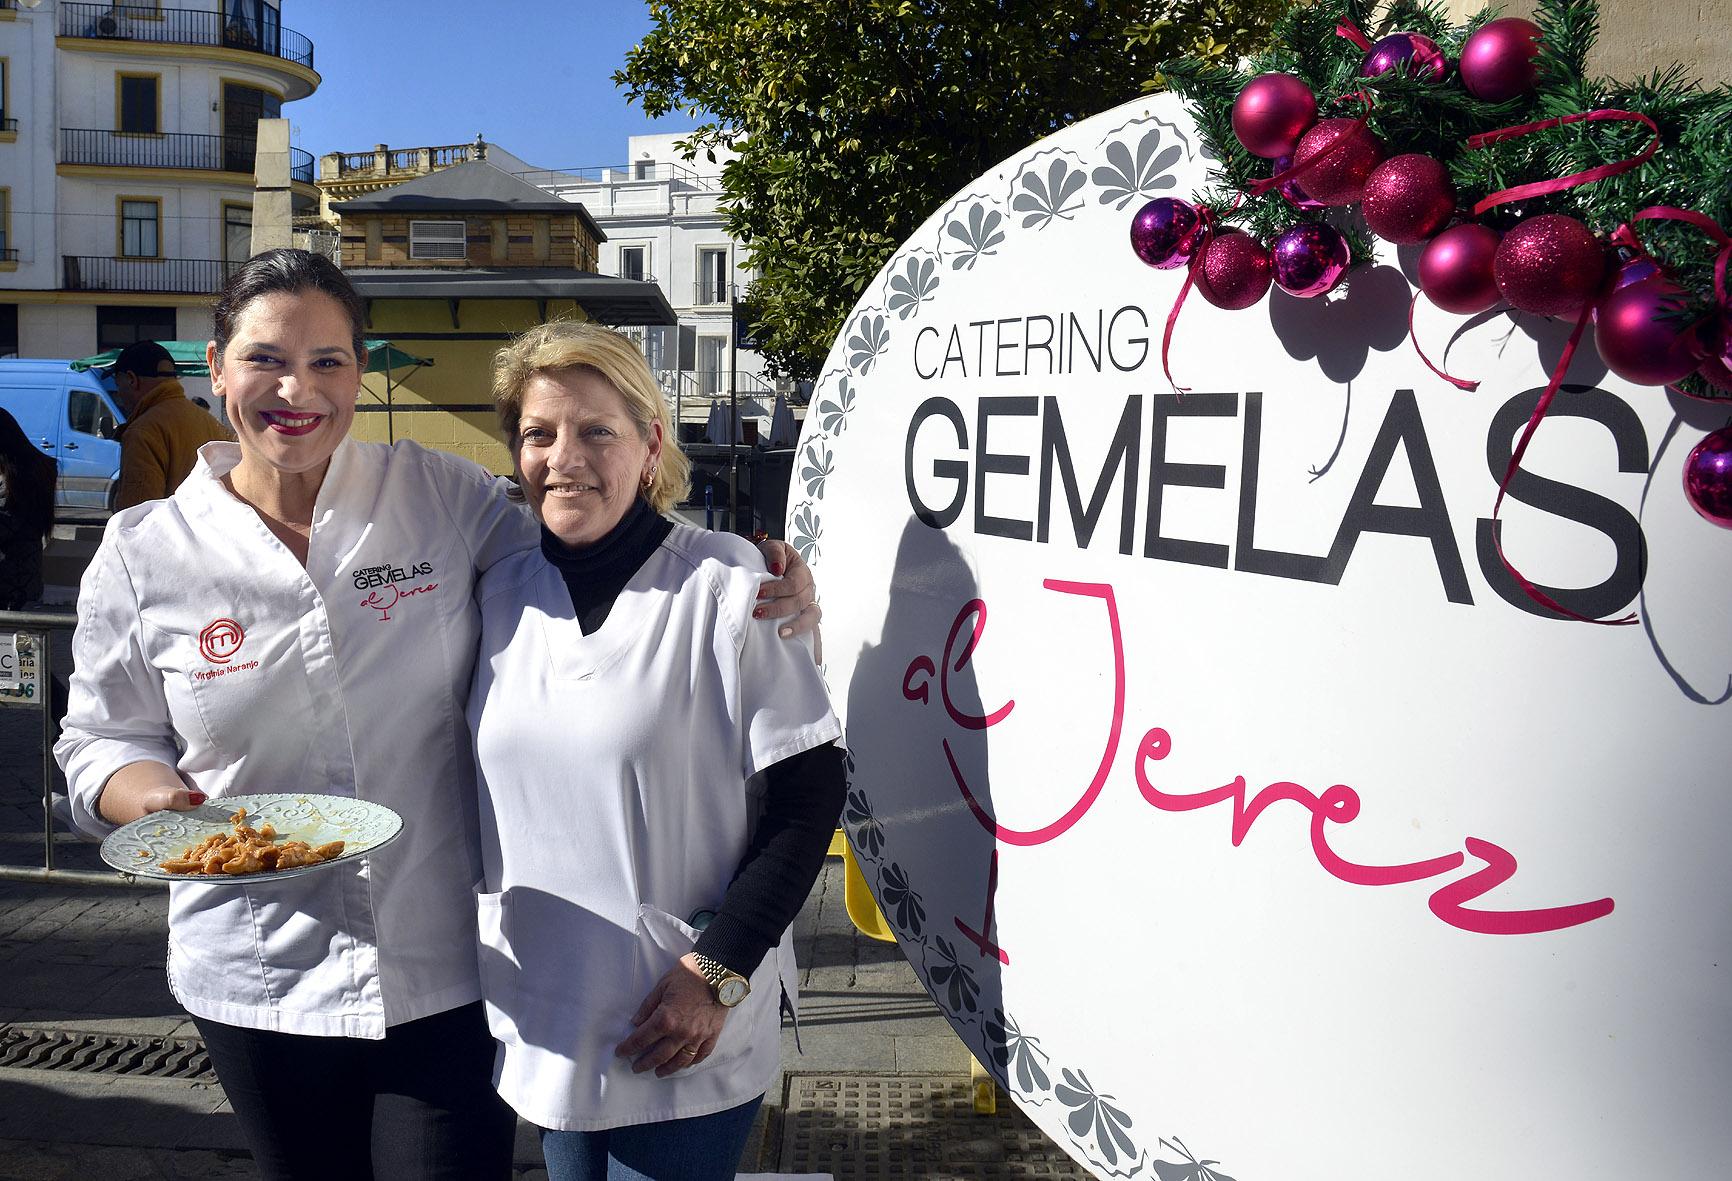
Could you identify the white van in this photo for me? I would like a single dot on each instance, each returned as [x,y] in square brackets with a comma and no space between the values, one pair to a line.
[74,419]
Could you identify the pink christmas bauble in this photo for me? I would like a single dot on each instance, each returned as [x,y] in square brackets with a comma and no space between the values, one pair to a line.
[1630,270]
[1639,337]
[1497,62]
[1339,178]
[1455,269]
[1164,232]
[1310,259]
[1408,198]
[1271,113]
[1232,270]
[1412,54]
[1292,189]
[1708,477]
[1549,265]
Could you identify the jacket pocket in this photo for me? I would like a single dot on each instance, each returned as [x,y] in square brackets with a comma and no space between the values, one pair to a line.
[665,939]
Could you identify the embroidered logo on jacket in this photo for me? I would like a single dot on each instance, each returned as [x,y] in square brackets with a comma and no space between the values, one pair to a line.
[219,642]
[386,597]
[388,575]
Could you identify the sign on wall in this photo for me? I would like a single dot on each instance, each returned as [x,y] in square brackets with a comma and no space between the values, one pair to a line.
[1222,787]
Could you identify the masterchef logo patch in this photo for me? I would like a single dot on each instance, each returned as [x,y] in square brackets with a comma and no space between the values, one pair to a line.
[219,642]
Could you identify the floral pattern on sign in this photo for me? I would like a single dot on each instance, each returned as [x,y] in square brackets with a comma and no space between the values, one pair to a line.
[1044,191]
[1100,1129]
[868,833]
[1021,1063]
[867,340]
[833,409]
[816,464]
[913,280]
[1191,1169]
[807,530]
[900,901]
[1126,176]
[949,977]
[977,229]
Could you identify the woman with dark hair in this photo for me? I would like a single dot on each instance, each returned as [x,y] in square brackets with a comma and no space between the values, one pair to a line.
[27,480]
[298,615]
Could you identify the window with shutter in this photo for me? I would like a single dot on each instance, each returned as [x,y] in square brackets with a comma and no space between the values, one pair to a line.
[437,239]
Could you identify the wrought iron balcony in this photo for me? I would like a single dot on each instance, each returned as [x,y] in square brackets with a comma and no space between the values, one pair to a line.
[710,292]
[180,276]
[8,254]
[8,124]
[218,153]
[183,26]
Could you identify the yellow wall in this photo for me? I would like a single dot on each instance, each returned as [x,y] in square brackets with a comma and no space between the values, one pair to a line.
[460,374]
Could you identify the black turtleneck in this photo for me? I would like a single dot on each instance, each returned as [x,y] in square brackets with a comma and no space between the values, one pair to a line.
[596,573]
[803,793]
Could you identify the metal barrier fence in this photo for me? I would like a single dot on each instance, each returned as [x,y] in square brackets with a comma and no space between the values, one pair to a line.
[40,627]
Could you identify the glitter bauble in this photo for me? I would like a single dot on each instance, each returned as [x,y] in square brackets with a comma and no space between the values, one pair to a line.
[1271,113]
[1310,259]
[1412,54]
[1497,62]
[1232,271]
[1549,265]
[1164,232]
[1340,176]
[1708,478]
[1640,337]
[1408,198]
[1292,189]
[1455,269]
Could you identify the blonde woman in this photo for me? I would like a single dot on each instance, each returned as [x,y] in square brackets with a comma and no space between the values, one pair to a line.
[633,915]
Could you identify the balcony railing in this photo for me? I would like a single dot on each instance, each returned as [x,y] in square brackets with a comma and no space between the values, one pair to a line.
[401,161]
[181,276]
[183,26]
[708,292]
[219,153]
[8,124]
[8,254]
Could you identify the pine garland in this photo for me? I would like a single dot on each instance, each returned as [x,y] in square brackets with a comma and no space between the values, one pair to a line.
[1691,170]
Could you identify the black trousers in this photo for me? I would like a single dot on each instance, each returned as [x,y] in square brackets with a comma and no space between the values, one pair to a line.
[417,1105]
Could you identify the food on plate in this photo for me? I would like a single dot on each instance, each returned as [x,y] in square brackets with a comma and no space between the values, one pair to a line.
[248,850]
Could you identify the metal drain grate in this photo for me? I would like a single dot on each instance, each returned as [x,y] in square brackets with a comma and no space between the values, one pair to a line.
[105,1053]
[910,1128]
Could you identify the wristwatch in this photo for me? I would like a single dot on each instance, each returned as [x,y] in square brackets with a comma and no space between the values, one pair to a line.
[729,986]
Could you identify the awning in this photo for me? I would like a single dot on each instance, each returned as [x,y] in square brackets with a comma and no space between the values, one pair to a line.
[605,299]
[382,357]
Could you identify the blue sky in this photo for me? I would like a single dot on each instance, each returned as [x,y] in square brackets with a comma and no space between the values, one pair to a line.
[532,75]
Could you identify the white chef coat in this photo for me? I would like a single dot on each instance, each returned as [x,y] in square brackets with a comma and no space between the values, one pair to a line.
[202,643]
[614,806]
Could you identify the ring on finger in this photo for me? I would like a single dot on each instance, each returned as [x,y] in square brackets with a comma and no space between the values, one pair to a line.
[688,1050]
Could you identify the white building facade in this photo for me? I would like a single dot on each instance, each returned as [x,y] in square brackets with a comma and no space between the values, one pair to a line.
[127,163]
[663,221]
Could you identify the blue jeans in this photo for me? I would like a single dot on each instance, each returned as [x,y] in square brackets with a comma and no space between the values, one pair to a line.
[702,1148]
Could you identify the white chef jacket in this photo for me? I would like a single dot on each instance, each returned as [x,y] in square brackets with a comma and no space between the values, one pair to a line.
[614,806]
[202,643]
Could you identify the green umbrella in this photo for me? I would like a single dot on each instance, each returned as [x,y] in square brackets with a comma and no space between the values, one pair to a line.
[382,357]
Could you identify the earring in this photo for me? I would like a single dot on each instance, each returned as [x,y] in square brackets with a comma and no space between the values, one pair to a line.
[649,478]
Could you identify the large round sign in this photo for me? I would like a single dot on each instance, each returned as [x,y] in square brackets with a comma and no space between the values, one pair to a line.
[1241,810]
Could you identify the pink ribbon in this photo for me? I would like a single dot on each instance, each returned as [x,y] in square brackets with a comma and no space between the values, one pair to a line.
[1351,31]
[1515,461]
[1205,231]
[1541,187]
[1335,145]
[1413,339]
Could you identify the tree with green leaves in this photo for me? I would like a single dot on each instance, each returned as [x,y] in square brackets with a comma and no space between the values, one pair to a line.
[854,119]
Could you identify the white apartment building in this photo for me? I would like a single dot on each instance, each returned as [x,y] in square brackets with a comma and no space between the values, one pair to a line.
[662,217]
[126,163]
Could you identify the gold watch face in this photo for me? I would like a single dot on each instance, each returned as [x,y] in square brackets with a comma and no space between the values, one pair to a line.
[732,991]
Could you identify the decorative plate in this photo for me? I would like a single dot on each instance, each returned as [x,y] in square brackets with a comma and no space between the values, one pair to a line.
[140,847]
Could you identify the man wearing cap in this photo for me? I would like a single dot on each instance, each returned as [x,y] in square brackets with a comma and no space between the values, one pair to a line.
[163,432]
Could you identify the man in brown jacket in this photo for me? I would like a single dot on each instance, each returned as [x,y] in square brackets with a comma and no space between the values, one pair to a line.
[163,432]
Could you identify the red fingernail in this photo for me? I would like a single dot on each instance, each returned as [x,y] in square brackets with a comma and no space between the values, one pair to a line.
[776,569]
[196,797]
[758,613]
